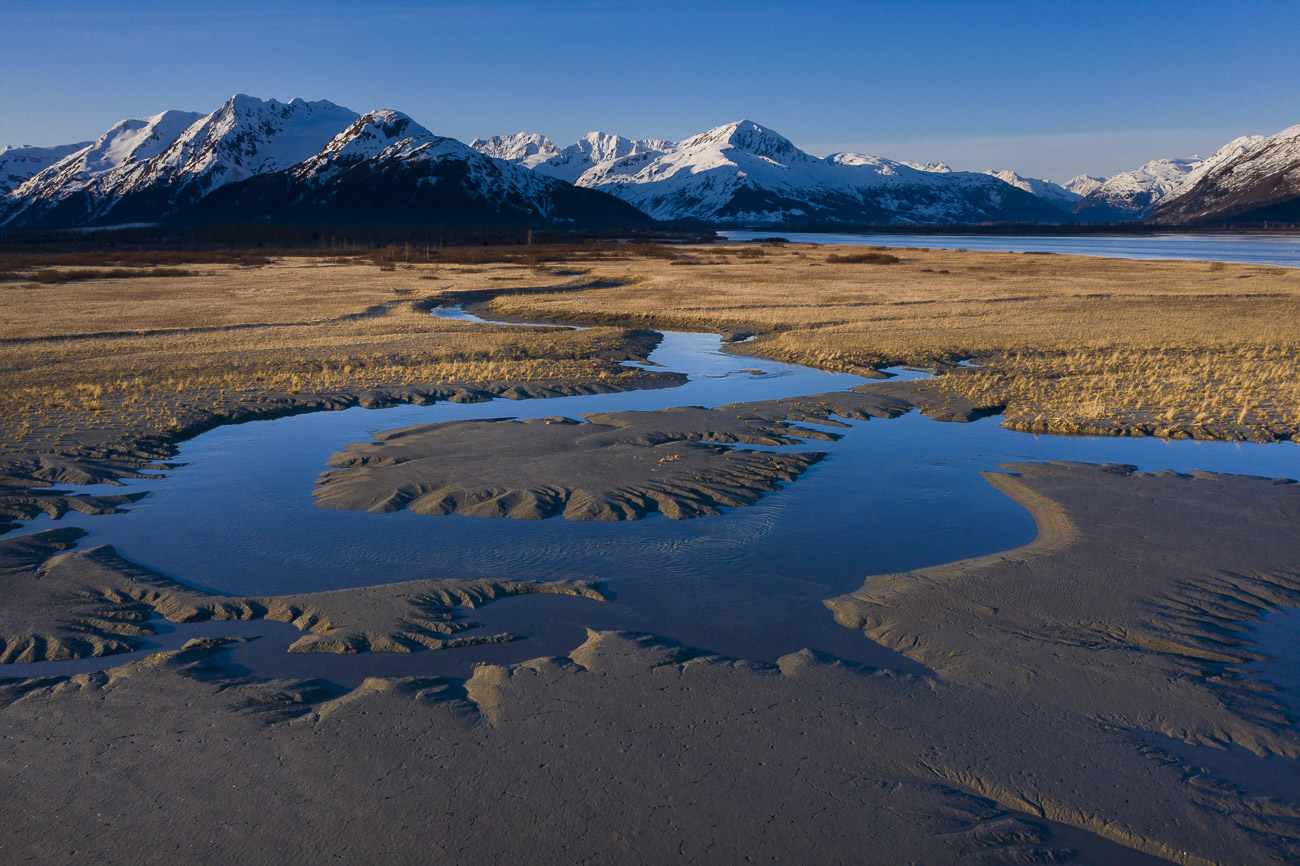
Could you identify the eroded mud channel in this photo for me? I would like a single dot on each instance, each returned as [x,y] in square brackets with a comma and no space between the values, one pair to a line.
[1037,642]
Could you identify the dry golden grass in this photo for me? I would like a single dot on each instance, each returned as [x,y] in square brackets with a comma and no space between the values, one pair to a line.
[110,359]
[1068,343]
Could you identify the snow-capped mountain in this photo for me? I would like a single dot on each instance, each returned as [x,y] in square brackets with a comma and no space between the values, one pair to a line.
[928,166]
[1082,184]
[82,184]
[528,149]
[1132,195]
[149,168]
[18,164]
[571,163]
[1044,189]
[1254,179]
[385,168]
[744,172]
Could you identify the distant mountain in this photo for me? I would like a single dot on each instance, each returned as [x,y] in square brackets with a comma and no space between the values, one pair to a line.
[19,164]
[85,184]
[1132,195]
[1257,180]
[928,166]
[744,172]
[523,148]
[1083,184]
[260,159]
[153,167]
[387,169]
[570,164]
[1052,192]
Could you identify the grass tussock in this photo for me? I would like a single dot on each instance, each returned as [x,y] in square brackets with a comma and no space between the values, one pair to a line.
[868,258]
[50,276]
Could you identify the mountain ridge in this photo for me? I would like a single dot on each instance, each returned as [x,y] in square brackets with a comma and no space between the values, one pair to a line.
[166,166]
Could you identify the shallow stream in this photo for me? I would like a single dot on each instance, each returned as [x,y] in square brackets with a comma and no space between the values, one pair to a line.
[238,517]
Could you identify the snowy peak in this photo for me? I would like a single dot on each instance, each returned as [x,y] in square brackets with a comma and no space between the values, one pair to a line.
[601,146]
[134,141]
[149,167]
[1082,184]
[367,137]
[879,163]
[928,166]
[528,149]
[385,169]
[20,164]
[539,153]
[1220,157]
[1135,194]
[747,137]
[1131,195]
[1248,180]
[248,136]
[1044,189]
[744,172]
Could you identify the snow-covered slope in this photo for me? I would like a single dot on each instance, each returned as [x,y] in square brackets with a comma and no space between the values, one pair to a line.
[1133,195]
[744,172]
[528,149]
[18,164]
[76,187]
[1082,184]
[1254,179]
[1044,189]
[152,167]
[385,168]
[569,164]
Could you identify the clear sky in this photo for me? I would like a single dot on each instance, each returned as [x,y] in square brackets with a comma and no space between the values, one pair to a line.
[1050,89]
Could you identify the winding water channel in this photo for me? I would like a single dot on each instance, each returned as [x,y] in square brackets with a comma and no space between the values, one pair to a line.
[238,517]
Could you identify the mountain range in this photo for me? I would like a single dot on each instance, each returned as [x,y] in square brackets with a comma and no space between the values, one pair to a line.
[256,160]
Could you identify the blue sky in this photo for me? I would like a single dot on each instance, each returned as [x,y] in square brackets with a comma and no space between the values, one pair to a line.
[1047,88]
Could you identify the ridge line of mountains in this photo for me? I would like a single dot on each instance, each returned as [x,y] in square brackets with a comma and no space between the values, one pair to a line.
[259,160]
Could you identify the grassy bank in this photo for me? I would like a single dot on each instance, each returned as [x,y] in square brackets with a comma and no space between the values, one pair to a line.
[1066,343]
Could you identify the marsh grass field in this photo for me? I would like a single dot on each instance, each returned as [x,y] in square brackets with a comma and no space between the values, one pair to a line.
[1064,344]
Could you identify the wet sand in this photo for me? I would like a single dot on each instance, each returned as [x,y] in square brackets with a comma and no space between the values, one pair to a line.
[1067,683]
[616,466]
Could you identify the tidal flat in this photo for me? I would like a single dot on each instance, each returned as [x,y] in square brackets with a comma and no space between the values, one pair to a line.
[738,618]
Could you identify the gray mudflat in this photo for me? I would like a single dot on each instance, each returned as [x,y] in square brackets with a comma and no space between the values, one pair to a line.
[617,466]
[62,606]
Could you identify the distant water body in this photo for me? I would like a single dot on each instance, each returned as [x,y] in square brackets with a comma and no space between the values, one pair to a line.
[1258,249]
